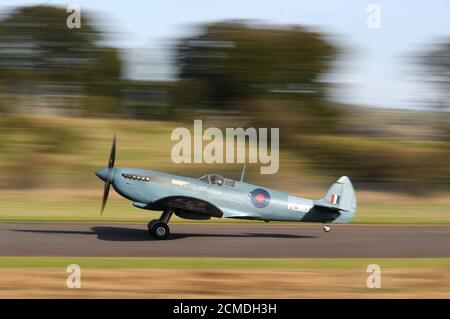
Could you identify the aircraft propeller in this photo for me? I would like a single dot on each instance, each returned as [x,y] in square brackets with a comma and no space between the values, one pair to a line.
[108,175]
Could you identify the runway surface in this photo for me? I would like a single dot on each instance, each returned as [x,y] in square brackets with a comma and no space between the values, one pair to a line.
[223,240]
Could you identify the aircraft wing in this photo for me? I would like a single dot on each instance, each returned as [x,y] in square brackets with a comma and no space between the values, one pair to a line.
[184,204]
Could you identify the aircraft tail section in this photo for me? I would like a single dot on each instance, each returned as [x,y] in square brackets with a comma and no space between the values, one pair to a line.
[341,196]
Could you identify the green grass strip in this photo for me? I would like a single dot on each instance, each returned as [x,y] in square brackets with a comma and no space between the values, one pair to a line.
[222,263]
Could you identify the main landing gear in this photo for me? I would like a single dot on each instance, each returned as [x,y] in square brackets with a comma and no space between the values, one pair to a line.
[158,227]
[326,228]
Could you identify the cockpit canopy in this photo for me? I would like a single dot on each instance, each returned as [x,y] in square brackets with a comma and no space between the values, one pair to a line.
[216,179]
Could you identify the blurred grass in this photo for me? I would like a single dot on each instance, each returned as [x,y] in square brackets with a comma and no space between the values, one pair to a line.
[222,263]
[84,206]
[48,180]
[86,146]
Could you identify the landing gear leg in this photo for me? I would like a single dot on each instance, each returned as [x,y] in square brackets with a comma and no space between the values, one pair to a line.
[158,228]
[326,228]
[165,217]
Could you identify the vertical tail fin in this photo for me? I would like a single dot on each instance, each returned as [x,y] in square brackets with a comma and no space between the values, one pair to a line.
[341,195]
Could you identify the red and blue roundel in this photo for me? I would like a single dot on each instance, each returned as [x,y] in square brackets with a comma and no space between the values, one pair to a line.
[260,197]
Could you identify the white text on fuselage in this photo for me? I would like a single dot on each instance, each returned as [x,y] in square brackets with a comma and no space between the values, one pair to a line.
[299,207]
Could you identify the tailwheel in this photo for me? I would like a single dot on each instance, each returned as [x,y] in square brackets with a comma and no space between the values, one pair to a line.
[158,229]
[326,228]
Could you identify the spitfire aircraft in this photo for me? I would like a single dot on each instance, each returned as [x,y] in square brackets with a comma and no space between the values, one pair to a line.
[215,196]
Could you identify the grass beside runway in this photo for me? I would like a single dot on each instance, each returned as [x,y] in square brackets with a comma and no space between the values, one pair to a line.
[84,206]
[46,277]
[221,263]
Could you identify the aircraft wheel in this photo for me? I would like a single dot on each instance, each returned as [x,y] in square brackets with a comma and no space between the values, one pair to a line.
[150,225]
[160,230]
[326,228]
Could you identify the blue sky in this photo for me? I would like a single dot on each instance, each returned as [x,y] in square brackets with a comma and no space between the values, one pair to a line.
[377,72]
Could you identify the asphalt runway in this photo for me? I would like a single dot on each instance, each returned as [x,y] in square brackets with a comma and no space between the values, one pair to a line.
[223,240]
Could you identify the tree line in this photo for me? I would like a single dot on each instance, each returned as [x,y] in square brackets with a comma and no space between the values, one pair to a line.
[265,75]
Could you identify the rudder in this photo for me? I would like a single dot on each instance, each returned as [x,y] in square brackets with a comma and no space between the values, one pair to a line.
[341,195]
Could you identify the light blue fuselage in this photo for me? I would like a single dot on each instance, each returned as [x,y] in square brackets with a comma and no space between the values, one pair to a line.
[233,199]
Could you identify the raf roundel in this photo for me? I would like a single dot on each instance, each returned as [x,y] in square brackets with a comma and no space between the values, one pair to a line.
[260,197]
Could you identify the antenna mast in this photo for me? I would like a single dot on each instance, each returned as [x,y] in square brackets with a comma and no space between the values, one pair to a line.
[242,174]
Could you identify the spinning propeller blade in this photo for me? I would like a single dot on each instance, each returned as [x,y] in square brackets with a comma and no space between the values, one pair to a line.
[105,196]
[112,158]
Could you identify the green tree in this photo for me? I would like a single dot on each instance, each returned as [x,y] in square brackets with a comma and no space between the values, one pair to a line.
[39,50]
[437,72]
[237,60]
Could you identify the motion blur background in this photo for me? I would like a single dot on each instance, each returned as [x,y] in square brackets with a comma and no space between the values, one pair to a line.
[349,99]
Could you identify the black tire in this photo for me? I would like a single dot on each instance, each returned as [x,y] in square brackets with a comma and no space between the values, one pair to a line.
[150,225]
[159,230]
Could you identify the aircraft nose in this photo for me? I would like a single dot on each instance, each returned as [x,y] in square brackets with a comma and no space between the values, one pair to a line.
[104,174]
